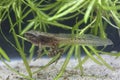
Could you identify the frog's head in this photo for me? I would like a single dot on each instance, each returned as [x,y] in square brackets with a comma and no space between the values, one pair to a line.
[32,36]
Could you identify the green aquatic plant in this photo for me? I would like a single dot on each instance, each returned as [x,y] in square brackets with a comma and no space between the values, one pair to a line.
[3,54]
[83,16]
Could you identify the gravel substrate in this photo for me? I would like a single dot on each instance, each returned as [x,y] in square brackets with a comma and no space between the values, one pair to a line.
[92,71]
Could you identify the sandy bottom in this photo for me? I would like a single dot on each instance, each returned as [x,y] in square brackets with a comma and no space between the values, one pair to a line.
[92,71]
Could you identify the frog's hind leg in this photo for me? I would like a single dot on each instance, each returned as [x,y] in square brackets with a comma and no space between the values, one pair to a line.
[55,51]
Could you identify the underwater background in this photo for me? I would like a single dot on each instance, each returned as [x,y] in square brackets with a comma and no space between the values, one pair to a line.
[112,34]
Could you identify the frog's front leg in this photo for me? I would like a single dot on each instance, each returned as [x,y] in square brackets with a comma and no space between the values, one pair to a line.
[39,48]
[39,51]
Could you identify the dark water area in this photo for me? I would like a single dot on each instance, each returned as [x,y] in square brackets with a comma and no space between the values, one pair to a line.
[12,53]
[112,34]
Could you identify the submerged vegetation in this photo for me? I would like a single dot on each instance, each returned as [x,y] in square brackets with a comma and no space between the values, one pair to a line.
[77,16]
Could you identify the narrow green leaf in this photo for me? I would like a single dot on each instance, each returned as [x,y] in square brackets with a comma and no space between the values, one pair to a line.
[3,53]
[91,56]
[87,14]
[65,63]
[78,55]
[100,58]
[30,25]
[78,3]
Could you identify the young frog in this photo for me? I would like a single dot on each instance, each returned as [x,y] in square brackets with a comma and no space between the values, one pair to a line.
[42,39]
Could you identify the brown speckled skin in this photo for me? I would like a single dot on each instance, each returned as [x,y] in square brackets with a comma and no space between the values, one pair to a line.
[44,40]
[48,40]
[41,38]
